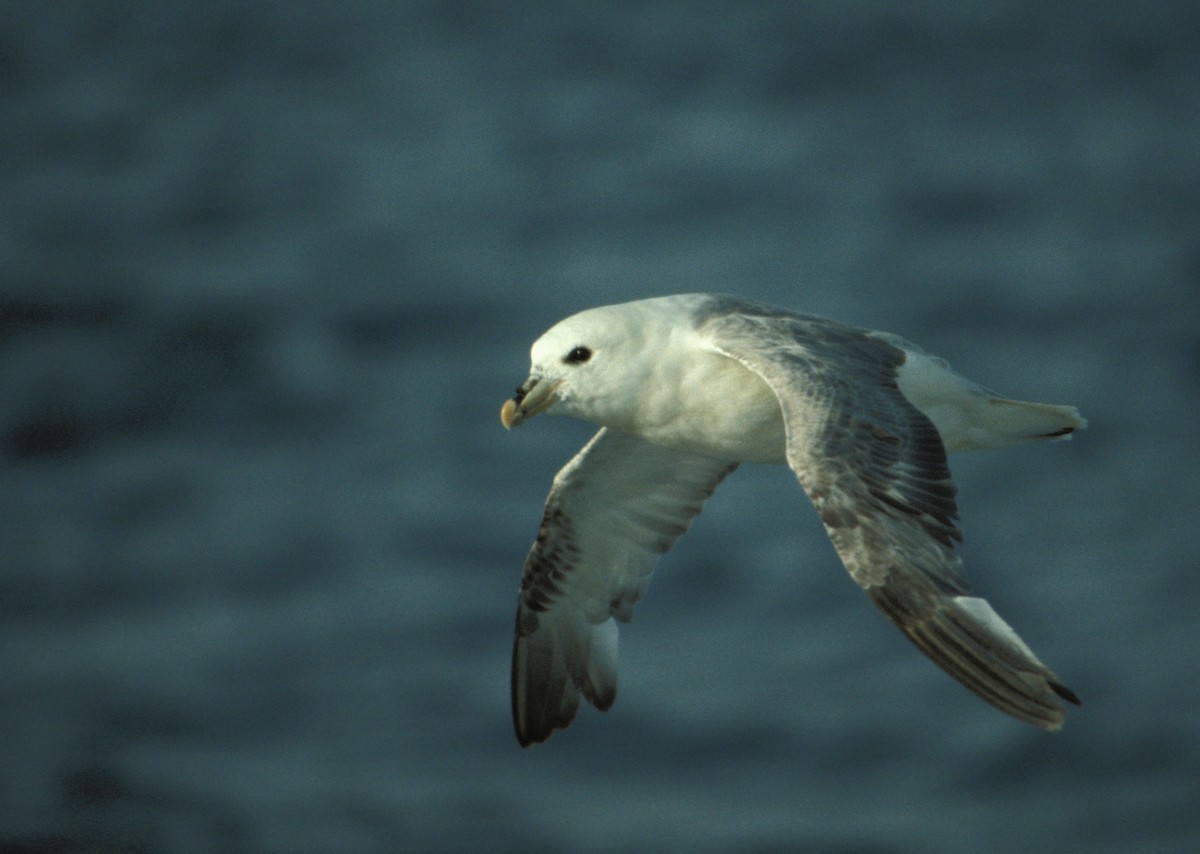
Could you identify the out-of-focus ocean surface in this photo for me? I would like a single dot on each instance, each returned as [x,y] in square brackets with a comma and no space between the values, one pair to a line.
[268,270]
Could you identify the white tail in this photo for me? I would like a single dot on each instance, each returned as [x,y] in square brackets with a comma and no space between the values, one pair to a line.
[969,417]
[1009,422]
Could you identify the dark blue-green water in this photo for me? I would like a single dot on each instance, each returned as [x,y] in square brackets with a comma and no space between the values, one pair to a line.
[268,270]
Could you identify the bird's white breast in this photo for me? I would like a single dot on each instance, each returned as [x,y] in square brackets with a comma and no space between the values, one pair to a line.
[715,406]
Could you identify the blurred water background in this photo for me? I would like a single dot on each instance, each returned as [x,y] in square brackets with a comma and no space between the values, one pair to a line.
[267,271]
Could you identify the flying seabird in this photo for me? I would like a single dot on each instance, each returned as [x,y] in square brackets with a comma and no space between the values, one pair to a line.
[685,388]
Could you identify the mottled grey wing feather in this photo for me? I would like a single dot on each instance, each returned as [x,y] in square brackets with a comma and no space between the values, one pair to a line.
[612,512]
[876,470]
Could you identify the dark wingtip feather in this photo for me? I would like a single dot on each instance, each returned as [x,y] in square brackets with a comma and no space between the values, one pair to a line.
[1066,693]
[542,701]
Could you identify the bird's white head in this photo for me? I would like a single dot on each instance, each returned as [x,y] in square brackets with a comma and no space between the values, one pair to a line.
[589,366]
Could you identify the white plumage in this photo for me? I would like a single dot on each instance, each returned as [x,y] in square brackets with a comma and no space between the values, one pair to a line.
[685,388]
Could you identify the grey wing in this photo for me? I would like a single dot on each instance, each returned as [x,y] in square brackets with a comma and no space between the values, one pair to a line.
[875,468]
[612,511]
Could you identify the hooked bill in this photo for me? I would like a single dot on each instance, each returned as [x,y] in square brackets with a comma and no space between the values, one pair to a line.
[507,412]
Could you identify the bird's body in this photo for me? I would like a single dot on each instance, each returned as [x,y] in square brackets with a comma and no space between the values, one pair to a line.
[687,387]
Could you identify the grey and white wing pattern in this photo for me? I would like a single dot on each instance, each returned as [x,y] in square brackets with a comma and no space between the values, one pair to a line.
[875,468]
[612,511]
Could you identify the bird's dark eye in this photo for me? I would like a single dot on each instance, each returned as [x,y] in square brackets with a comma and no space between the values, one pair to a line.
[578,356]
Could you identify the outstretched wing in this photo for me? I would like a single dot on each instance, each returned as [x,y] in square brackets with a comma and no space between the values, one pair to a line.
[613,510]
[876,470]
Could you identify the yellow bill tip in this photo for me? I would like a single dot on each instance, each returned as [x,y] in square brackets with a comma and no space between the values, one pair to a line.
[508,414]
